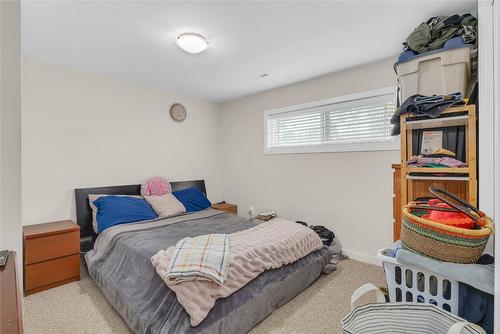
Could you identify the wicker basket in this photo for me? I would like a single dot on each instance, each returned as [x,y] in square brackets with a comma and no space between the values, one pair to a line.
[445,242]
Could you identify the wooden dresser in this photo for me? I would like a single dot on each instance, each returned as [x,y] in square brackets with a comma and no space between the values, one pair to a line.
[10,306]
[51,255]
[230,208]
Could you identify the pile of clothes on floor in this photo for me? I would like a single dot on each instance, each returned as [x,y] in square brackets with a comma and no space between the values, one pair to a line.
[328,239]
[476,283]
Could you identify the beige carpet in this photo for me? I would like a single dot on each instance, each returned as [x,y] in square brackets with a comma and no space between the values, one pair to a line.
[81,308]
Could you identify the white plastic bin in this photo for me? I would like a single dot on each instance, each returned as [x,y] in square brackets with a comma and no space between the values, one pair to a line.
[413,284]
[436,73]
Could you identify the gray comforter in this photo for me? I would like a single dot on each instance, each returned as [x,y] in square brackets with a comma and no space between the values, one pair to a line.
[120,265]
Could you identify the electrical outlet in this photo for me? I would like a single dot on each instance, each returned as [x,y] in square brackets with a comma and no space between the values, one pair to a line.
[251,210]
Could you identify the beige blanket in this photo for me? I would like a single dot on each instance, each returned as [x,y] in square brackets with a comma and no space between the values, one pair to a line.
[266,246]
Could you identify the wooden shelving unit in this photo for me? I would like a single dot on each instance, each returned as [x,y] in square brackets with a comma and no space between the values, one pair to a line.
[464,170]
[464,183]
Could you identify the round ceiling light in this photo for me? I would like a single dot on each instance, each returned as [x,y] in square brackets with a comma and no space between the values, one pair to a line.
[192,42]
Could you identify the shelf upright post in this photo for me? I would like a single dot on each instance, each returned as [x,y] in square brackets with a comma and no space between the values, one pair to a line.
[404,147]
[470,135]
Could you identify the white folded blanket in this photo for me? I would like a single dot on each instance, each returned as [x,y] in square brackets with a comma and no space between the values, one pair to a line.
[263,247]
[205,258]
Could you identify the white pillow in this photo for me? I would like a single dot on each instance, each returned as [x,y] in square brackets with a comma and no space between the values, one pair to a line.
[92,198]
[165,205]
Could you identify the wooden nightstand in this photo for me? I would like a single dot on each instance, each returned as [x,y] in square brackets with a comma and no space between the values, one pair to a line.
[230,208]
[11,321]
[51,255]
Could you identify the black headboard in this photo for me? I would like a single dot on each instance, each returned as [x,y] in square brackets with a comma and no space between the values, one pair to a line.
[84,212]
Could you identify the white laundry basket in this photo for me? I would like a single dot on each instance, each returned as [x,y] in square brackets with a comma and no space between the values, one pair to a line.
[408,283]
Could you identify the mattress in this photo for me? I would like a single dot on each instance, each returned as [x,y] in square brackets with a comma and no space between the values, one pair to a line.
[121,267]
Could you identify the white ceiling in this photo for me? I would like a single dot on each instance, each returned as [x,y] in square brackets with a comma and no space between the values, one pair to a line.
[291,41]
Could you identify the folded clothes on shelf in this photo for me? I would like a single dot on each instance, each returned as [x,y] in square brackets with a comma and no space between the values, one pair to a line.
[451,176]
[421,105]
[427,161]
[440,153]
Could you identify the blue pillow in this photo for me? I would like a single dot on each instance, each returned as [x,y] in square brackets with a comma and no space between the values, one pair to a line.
[192,199]
[115,210]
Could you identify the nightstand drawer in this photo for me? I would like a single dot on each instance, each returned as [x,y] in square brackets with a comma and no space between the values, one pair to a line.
[51,246]
[51,273]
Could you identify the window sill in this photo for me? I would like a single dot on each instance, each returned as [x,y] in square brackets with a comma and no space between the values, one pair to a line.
[336,148]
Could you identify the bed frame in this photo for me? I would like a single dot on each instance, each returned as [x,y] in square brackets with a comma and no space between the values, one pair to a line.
[84,212]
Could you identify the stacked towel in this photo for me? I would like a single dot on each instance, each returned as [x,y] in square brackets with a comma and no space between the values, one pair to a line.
[203,258]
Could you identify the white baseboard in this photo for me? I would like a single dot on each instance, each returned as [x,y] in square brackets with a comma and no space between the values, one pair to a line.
[362,257]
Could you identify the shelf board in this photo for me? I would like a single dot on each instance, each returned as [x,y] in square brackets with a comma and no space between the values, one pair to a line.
[437,122]
[438,178]
[461,170]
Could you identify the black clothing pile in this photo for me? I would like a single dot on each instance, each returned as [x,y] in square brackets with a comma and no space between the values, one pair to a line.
[325,234]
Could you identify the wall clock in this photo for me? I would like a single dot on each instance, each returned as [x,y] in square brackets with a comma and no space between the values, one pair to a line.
[178,112]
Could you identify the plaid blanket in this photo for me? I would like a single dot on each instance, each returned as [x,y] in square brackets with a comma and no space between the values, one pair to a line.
[204,258]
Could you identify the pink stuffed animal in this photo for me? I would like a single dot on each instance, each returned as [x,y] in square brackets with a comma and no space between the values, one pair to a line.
[155,186]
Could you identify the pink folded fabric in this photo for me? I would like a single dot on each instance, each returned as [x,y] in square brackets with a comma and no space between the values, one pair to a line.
[420,161]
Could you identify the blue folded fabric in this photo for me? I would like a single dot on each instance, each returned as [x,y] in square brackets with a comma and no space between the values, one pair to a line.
[406,56]
[192,199]
[115,210]
[455,43]
[421,105]
[479,276]
[477,307]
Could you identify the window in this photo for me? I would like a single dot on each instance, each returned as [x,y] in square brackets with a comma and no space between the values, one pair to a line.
[359,122]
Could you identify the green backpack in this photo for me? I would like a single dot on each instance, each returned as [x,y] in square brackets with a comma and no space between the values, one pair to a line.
[432,35]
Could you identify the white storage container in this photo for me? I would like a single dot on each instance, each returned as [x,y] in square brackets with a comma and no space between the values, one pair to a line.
[436,73]
[413,284]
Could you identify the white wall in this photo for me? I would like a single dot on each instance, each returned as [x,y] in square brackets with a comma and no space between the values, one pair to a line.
[83,130]
[350,193]
[496,92]
[10,132]
[10,128]
[486,121]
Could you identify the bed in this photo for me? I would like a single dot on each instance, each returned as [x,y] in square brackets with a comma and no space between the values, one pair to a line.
[119,263]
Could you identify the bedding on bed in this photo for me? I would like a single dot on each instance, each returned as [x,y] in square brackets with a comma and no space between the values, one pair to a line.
[120,265]
[204,258]
[263,247]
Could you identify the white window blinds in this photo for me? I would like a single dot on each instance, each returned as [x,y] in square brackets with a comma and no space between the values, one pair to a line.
[356,119]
